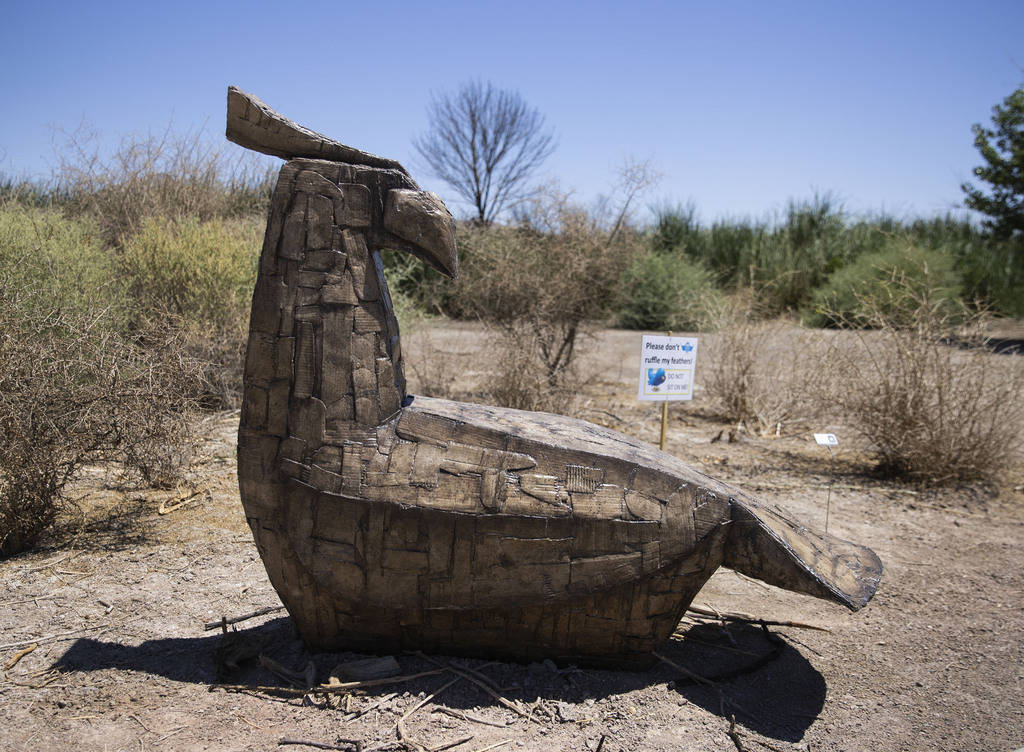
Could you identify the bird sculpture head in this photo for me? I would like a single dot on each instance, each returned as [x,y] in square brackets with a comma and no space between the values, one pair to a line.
[413,220]
[424,225]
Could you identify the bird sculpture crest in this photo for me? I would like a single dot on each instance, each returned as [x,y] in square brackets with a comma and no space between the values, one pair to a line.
[389,522]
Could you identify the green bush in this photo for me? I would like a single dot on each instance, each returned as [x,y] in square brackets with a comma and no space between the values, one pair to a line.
[60,258]
[783,262]
[202,275]
[890,282]
[668,291]
[203,272]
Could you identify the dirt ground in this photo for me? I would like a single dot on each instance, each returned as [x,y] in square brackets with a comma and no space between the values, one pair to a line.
[116,606]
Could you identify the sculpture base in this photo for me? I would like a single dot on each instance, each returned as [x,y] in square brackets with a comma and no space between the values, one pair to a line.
[616,628]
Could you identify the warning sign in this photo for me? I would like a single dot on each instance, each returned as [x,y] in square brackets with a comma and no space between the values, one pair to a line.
[667,365]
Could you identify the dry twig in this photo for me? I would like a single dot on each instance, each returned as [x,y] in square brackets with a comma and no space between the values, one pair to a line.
[735,735]
[28,600]
[495,745]
[19,655]
[360,713]
[400,723]
[461,715]
[351,744]
[52,638]
[326,688]
[182,499]
[481,682]
[748,619]
[236,619]
[455,743]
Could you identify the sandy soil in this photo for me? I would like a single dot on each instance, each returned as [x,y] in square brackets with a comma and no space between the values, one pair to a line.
[934,662]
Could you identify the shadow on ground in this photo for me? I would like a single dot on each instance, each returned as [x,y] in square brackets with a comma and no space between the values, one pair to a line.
[740,670]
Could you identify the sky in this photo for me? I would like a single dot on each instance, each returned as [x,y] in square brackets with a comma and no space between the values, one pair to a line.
[740,106]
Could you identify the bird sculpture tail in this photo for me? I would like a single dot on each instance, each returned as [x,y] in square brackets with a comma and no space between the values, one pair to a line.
[766,544]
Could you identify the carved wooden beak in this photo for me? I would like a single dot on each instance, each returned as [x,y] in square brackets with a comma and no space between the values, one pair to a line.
[421,219]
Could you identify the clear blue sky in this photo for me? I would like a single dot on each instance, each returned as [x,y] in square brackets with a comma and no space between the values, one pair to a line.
[742,105]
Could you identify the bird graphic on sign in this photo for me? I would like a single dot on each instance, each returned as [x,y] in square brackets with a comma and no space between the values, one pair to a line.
[656,377]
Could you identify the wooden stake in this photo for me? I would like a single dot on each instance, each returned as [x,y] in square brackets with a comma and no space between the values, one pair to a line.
[664,419]
[664,424]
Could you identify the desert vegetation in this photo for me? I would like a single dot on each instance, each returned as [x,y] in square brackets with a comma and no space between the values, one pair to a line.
[123,311]
[126,285]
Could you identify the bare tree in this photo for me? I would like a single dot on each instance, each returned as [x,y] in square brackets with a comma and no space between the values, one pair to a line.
[485,143]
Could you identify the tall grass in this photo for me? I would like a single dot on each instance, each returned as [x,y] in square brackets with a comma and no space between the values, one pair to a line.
[759,373]
[172,176]
[783,261]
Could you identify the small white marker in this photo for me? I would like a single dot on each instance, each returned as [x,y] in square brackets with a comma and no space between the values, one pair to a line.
[826,439]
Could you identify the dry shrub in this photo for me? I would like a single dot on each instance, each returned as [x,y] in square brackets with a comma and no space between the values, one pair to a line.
[935,403]
[762,373]
[519,377]
[74,391]
[538,285]
[434,370]
[171,176]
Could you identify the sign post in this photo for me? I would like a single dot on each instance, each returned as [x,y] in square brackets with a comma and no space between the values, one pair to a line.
[667,365]
[828,440]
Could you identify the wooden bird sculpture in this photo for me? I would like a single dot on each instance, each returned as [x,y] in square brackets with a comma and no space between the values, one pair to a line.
[390,522]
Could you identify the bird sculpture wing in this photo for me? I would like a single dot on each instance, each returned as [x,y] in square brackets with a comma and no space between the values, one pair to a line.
[554,507]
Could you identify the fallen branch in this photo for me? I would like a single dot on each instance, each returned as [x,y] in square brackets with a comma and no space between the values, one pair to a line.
[455,743]
[235,619]
[771,655]
[735,735]
[710,683]
[495,745]
[360,713]
[482,683]
[400,723]
[304,678]
[182,500]
[351,744]
[51,638]
[50,679]
[685,671]
[748,619]
[685,636]
[28,600]
[467,717]
[325,688]
[19,655]
[428,698]
[169,734]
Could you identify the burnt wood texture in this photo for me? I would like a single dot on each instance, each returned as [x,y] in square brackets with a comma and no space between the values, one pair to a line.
[389,522]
